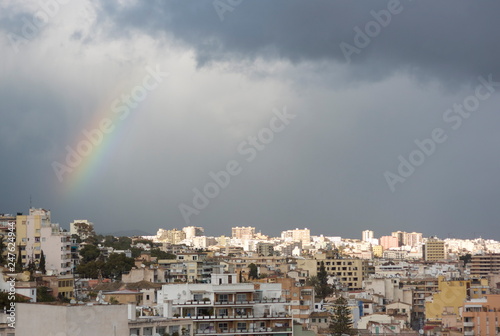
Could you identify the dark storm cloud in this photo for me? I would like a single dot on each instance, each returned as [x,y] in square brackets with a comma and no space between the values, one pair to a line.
[447,39]
[324,171]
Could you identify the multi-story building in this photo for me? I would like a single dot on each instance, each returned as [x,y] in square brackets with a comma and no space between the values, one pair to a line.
[349,272]
[265,265]
[82,228]
[243,232]
[265,249]
[299,297]
[422,290]
[481,316]
[389,242]
[367,235]
[413,239]
[302,235]
[226,307]
[193,231]
[434,250]
[34,233]
[377,251]
[187,267]
[174,236]
[448,299]
[485,264]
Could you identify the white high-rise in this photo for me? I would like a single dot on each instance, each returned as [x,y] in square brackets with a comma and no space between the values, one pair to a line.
[367,235]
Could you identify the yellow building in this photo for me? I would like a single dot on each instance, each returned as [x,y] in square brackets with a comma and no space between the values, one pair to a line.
[377,250]
[449,298]
[28,234]
[479,288]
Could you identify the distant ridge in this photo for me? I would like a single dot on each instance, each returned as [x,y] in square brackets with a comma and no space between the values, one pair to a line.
[128,233]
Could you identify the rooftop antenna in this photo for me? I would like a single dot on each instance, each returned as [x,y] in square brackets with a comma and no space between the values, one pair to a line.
[30,201]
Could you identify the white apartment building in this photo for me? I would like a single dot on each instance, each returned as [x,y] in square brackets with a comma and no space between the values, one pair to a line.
[193,231]
[367,235]
[225,307]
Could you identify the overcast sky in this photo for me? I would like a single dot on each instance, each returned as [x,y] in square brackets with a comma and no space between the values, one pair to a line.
[122,113]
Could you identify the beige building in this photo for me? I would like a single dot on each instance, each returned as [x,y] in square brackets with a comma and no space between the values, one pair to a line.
[434,250]
[349,272]
[485,264]
[95,320]
[174,236]
[297,235]
[413,239]
[243,232]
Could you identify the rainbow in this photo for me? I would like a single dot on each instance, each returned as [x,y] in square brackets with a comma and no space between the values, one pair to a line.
[90,163]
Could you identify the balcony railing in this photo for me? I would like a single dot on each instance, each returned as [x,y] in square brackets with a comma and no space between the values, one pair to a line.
[242,331]
[280,315]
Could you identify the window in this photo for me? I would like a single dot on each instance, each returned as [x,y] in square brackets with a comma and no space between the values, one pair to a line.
[223,311]
[241,325]
[223,326]
[241,297]
[223,298]
[197,297]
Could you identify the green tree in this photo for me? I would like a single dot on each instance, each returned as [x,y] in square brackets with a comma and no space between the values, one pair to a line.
[89,253]
[77,238]
[341,319]
[322,288]
[5,300]
[90,269]
[117,264]
[466,258]
[253,273]
[43,295]
[41,265]
[161,254]
[19,262]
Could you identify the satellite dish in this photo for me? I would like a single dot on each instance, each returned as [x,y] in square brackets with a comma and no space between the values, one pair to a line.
[421,331]
[183,292]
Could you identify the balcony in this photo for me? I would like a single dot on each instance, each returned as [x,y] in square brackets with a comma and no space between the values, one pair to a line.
[469,333]
[195,303]
[231,331]
[468,324]
[281,315]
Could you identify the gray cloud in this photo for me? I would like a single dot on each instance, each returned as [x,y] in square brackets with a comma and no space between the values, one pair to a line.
[324,171]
